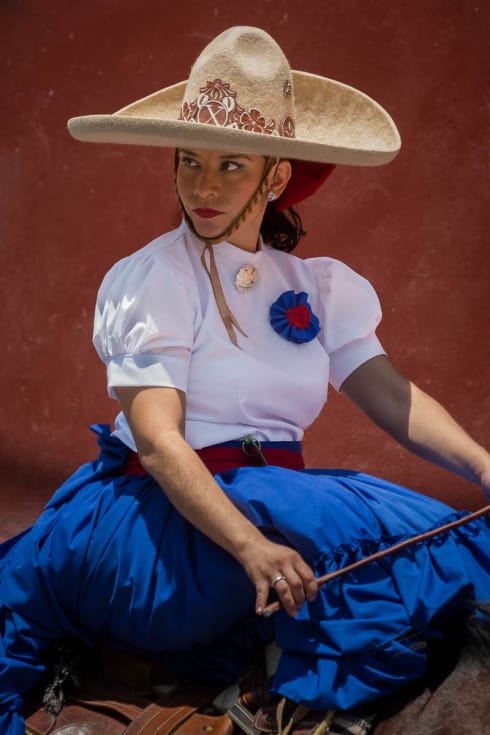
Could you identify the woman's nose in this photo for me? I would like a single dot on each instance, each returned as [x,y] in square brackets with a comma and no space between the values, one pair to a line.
[206,184]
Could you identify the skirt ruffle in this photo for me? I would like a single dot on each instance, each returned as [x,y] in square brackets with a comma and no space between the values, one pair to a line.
[110,558]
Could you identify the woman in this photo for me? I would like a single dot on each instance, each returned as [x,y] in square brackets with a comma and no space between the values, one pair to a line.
[219,347]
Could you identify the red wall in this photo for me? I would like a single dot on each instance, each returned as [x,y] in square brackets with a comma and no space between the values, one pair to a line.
[417,228]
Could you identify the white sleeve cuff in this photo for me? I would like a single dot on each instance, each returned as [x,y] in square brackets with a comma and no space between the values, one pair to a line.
[168,370]
[352,355]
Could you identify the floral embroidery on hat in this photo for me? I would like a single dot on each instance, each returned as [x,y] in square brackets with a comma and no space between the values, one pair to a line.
[217,105]
[254,122]
[291,317]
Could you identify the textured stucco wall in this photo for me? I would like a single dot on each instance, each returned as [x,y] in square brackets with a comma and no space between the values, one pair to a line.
[417,228]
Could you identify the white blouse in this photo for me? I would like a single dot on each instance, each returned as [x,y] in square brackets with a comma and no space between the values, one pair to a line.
[157,324]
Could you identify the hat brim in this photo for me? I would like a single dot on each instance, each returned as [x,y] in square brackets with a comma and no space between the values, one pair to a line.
[335,123]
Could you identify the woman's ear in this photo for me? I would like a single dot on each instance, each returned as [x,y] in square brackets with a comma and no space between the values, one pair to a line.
[282,174]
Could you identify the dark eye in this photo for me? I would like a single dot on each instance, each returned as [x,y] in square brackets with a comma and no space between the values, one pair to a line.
[188,161]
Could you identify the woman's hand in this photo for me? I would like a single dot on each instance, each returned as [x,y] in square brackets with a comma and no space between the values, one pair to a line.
[273,566]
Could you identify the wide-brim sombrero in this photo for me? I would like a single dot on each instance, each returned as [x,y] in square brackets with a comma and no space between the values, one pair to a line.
[242,96]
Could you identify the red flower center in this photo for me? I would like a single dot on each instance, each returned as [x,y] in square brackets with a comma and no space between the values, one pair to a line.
[299,316]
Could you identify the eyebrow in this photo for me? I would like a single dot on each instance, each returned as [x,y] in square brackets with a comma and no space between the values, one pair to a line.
[225,156]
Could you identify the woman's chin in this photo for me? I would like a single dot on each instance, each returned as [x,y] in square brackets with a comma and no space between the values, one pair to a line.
[209,228]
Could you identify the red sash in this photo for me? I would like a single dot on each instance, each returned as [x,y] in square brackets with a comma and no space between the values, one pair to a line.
[219,459]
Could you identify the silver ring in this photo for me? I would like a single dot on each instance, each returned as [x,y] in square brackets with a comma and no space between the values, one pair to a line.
[279,578]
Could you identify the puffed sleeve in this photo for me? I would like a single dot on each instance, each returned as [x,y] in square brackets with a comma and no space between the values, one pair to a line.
[351,313]
[144,322]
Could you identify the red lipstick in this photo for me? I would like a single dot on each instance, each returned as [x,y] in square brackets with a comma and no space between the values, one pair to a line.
[207,213]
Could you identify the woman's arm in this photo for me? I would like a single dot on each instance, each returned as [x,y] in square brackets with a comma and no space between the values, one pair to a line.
[416,421]
[156,417]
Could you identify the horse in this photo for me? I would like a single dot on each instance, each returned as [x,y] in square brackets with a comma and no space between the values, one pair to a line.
[454,694]
[452,697]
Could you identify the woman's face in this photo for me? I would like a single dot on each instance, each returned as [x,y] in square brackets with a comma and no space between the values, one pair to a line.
[215,186]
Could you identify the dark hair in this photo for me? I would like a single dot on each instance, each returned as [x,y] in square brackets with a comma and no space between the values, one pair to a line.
[281,230]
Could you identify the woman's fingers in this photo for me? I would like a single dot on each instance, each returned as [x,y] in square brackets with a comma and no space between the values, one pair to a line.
[262,590]
[310,584]
[288,575]
[290,594]
[294,586]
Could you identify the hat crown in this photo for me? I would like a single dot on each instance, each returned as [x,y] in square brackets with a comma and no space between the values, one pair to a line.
[242,80]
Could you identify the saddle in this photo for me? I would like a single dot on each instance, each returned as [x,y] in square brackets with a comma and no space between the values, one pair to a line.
[125,694]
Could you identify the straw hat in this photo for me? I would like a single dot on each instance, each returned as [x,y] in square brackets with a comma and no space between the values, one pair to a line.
[242,96]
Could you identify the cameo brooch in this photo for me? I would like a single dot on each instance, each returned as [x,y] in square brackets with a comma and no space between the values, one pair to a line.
[246,278]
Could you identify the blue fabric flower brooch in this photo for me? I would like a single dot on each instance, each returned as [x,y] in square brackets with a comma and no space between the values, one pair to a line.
[291,317]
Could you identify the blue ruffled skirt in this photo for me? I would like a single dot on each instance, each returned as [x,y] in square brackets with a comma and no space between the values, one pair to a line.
[110,558]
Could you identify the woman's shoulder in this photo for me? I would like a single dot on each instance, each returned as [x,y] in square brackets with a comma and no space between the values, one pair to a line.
[169,246]
[323,269]
[324,266]
[164,257]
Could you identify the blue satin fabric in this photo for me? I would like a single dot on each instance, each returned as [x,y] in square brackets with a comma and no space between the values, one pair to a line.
[111,558]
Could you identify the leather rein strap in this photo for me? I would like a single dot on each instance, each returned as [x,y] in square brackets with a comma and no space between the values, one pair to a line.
[274,606]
